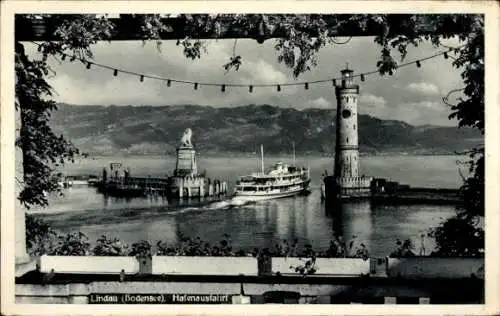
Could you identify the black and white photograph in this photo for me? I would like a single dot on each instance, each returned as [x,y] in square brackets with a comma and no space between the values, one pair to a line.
[249,158]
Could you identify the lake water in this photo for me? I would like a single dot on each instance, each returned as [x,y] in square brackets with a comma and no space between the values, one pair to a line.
[263,224]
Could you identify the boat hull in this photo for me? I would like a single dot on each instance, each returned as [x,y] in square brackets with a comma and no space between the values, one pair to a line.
[261,196]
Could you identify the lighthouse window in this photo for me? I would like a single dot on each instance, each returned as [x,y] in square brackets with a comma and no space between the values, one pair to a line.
[354,126]
[346,114]
[347,139]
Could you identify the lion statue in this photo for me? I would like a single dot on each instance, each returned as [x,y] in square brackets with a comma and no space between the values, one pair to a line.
[186,138]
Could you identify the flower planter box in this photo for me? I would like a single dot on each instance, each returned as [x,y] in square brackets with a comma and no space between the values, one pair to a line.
[88,264]
[204,265]
[429,267]
[323,266]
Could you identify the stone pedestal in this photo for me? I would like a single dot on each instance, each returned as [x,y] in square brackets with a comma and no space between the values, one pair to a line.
[186,162]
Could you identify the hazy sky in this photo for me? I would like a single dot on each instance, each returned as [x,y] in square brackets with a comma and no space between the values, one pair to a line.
[413,95]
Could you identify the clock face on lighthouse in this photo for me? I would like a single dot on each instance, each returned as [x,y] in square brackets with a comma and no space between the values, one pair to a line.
[346,113]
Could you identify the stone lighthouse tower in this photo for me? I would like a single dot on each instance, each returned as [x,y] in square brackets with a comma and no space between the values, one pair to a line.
[346,149]
[346,182]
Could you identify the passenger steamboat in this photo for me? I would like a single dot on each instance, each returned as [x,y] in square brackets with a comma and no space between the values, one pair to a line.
[279,181]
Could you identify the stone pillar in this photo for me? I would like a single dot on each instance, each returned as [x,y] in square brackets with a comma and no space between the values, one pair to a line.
[20,233]
[19,210]
[240,299]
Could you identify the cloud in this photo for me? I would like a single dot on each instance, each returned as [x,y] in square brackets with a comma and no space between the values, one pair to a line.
[426,105]
[263,72]
[320,103]
[424,88]
[373,105]
[370,100]
[422,113]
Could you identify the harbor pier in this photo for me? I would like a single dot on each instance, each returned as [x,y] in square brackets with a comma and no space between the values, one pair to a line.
[186,182]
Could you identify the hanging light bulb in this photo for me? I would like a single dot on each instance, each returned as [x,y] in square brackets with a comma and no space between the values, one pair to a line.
[418,64]
[250,89]
[223,88]
[196,86]
[115,72]
[362,77]
[278,87]
[142,78]
[88,65]
[63,57]
[306,86]
[169,83]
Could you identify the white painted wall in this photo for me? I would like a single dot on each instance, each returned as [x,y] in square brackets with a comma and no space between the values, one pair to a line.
[88,264]
[324,266]
[205,265]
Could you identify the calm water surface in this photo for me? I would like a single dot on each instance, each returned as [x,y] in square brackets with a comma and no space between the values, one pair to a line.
[260,224]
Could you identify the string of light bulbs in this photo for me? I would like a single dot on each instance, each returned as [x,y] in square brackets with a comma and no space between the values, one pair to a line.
[196,85]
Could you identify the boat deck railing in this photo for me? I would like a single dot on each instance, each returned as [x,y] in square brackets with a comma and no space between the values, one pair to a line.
[276,175]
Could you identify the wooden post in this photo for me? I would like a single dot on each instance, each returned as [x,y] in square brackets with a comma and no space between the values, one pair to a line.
[202,188]
[181,188]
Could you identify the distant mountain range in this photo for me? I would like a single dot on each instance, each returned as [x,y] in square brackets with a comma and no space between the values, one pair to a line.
[148,130]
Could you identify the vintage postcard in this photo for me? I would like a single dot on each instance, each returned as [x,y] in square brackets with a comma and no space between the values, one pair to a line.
[193,157]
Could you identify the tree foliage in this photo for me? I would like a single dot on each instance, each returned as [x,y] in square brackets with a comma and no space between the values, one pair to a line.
[72,244]
[404,249]
[141,248]
[106,246]
[42,150]
[459,236]
[40,237]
